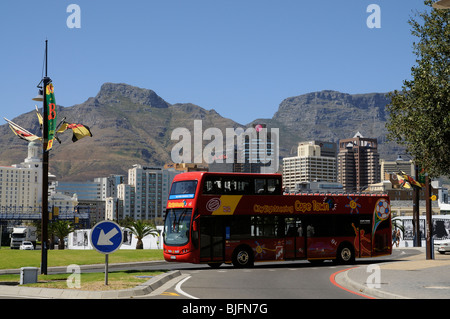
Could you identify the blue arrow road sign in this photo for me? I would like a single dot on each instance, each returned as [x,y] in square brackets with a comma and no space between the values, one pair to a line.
[106,237]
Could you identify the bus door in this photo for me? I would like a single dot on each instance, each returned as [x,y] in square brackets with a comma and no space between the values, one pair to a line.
[365,236]
[295,240]
[212,239]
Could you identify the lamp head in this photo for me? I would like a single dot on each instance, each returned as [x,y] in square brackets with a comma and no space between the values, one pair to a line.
[40,96]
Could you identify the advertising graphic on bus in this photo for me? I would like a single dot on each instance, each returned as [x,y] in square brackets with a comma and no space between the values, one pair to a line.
[216,218]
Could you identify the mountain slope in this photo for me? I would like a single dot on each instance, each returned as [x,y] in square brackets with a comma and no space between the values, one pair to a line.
[129,126]
[132,125]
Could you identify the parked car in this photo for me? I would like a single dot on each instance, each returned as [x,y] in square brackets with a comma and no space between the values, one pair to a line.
[442,246]
[27,245]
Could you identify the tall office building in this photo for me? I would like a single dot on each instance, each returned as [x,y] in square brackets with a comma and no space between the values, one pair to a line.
[315,162]
[21,184]
[406,166]
[21,191]
[145,195]
[255,151]
[358,163]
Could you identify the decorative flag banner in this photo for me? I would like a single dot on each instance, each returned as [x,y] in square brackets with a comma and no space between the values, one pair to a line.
[51,111]
[403,183]
[411,180]
[21,132]
[79,130]
[39,116]
[422,174]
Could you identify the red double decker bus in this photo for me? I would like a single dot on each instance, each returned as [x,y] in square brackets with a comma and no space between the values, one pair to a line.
[217,218]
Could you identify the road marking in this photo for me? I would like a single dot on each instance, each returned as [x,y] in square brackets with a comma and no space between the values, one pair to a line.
[178,288]
[333,281]
[167,293]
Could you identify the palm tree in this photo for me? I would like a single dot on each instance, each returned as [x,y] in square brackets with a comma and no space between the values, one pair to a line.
[141,229]
[61,229]
[396,225]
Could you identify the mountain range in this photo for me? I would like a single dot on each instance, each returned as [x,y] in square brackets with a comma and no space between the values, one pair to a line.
[132,125]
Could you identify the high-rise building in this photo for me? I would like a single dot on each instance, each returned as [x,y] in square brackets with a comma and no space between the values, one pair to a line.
[21,184]
[255,151]
[399,165]
[21,192]
[145,195]
[358,163]
[310,164]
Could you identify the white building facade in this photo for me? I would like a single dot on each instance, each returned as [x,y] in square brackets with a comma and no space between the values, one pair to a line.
[145,195]
[308,166]
[21,184]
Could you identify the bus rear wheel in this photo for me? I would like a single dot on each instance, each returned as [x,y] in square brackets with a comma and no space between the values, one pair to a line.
[243,257]
[345,255]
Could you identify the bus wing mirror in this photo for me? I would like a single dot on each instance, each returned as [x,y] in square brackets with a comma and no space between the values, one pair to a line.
[194,226]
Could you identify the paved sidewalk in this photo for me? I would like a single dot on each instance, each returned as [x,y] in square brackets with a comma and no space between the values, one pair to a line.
[49,293]
[404,278]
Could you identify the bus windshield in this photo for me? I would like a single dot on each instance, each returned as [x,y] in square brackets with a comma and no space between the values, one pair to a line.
[183,189]
[176,226]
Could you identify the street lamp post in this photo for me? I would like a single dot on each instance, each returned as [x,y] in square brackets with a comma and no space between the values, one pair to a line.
[429,226]
[44,222]
[417,239]
[416,213]
[44,216]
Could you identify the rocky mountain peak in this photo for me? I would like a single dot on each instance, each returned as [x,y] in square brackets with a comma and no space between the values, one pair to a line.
[113,92]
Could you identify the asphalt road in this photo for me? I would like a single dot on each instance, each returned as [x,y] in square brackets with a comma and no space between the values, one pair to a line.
[298,280]
[271,280]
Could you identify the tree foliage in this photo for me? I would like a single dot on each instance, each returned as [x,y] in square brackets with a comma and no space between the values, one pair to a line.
[419,114]
[140,229]
[61,229]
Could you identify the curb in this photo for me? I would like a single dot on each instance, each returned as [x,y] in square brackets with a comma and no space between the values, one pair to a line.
[50,293]
[100,267]
[343,279]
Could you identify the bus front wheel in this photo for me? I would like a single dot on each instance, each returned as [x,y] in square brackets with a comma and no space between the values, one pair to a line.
[345,255]
[243,257]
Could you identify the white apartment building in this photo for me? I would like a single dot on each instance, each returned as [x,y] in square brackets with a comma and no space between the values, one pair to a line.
[145,195]
[66,204]
[21,189]
[21,184]
[396,166]
[308,166]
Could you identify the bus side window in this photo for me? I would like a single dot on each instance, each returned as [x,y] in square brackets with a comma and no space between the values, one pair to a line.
[213,186]
[208,187]
[293,227]
[267,186]
[273,186]
[260,186]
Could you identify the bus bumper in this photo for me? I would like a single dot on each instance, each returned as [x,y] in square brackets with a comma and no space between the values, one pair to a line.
[170,257]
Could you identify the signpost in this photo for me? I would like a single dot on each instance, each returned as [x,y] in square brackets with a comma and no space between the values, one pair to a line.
[106,237]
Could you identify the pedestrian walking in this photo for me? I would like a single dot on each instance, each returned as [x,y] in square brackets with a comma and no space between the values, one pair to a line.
[394,237]
[397,237]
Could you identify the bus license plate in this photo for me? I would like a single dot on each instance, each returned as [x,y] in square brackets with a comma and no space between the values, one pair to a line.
[173,257]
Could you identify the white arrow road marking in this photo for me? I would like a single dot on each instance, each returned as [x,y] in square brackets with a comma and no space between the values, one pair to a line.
[178,288]
[104,239]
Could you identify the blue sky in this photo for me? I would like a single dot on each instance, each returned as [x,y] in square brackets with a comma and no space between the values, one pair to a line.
[239,57]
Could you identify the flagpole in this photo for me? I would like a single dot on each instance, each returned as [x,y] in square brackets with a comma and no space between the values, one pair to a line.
[44,218]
